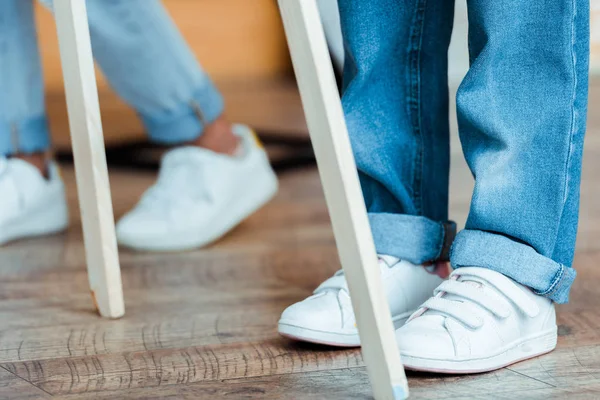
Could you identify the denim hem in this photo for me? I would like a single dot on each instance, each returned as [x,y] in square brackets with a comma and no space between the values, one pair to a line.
[27,136]
[518,261]
[186,122]
[417,239]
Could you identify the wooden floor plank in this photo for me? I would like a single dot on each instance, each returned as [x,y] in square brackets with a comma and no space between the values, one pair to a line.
[13,386]
[154,368]
[564,372]
[347,383]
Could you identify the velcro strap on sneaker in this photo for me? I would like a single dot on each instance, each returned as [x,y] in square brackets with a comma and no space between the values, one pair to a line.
[465,313]
[483,296]
[505,285]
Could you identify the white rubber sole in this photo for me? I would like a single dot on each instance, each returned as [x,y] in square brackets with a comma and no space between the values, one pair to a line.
[520,350]
[249,199]
[329,338]
[47,220]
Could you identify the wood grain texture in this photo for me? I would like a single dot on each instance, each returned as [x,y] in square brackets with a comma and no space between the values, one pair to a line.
[345,383]
[227,299]
[12,385]
[565,369]
[186,365]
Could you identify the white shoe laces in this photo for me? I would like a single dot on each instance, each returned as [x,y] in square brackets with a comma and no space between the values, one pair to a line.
[465,298]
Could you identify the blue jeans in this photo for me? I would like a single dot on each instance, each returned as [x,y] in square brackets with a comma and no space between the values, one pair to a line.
[521,112]
[139,50]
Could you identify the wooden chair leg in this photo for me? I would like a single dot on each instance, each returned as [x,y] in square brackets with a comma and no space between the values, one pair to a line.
[90,159]
[345,202]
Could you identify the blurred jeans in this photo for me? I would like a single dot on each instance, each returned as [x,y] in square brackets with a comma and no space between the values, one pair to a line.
[139,50]
[521,112]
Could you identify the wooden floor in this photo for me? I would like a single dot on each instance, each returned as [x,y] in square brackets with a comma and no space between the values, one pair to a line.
[203,324]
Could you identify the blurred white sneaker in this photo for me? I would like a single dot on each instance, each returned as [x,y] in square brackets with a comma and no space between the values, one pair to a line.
[327,317]
[479,320]
[30,205]
[199,196]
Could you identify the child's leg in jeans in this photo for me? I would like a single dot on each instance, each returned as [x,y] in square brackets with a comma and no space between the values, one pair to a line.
[396,104]
[23,122]
[32,197]
[522,111]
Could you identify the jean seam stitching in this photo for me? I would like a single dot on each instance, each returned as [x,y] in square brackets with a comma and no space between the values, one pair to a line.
[573,119]
[415,98]
[555,284]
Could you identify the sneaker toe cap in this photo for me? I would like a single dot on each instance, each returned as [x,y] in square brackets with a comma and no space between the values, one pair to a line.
[425,337]
[320,312]
[135,227]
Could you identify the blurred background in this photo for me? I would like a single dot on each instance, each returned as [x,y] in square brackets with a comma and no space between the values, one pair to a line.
[250,64]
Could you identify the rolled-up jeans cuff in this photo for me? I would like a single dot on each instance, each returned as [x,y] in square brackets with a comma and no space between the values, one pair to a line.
[187,121]
[518,261]
[24,137]
[417,239]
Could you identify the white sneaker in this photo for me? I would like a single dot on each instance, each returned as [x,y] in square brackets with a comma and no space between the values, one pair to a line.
[479,320]
[30,205]
[199,196]
[327,317]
